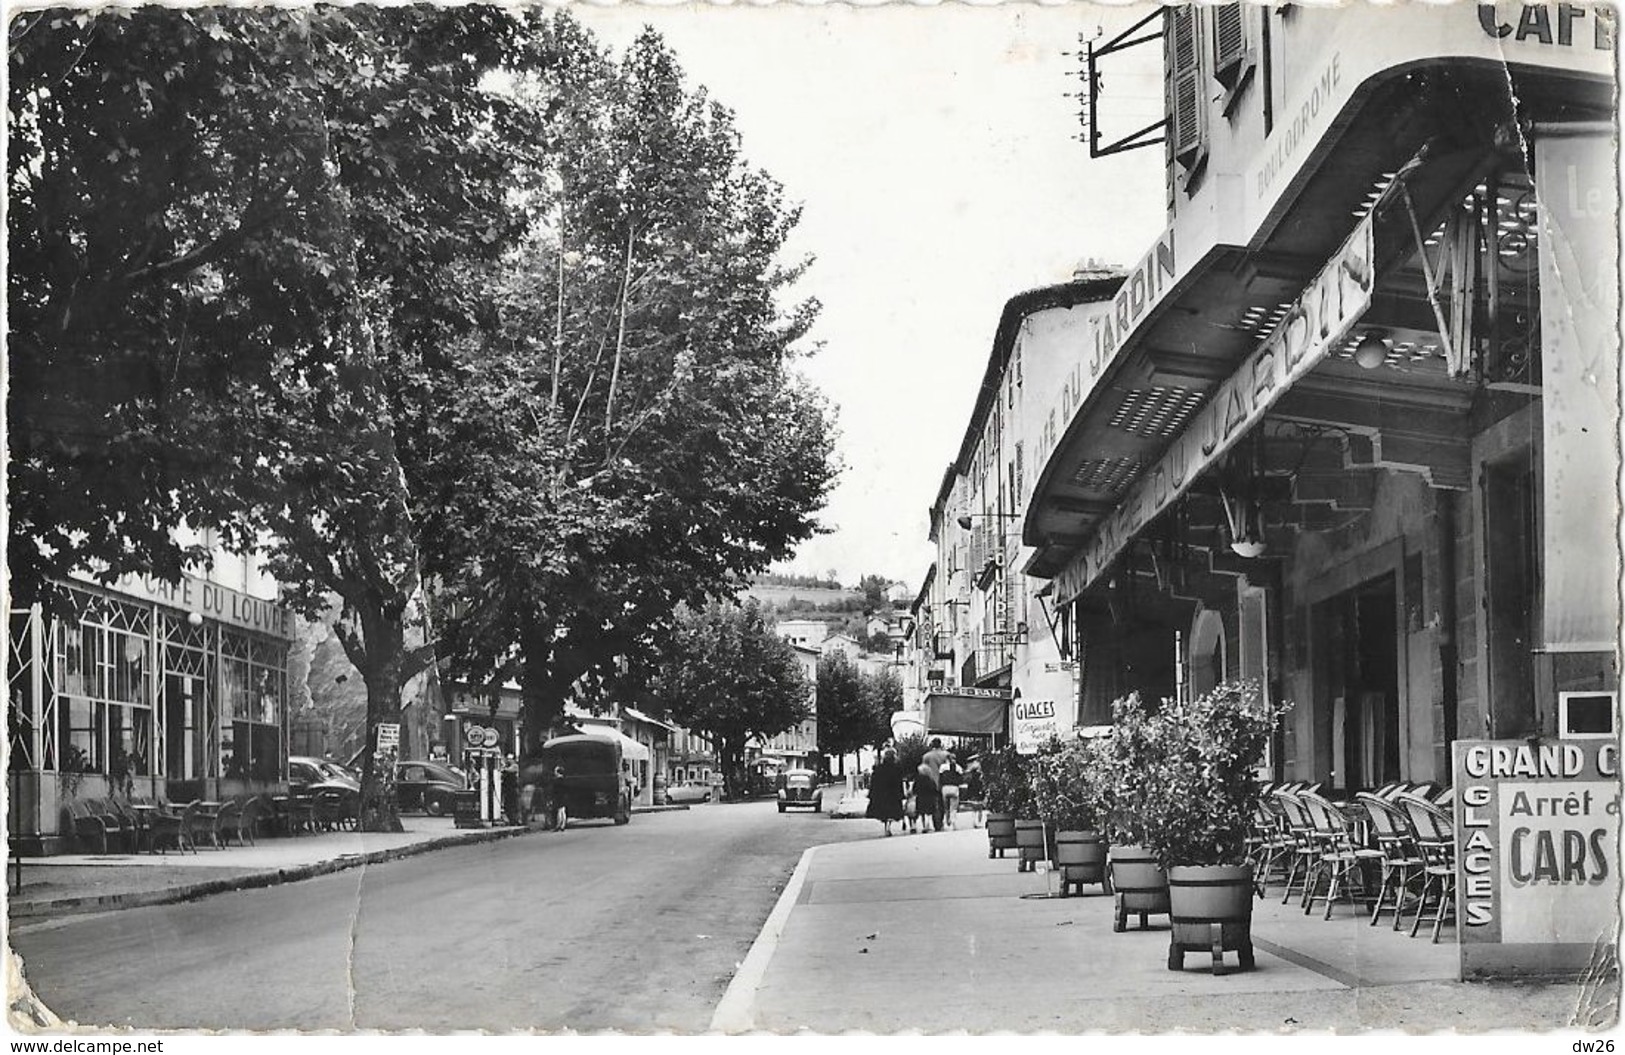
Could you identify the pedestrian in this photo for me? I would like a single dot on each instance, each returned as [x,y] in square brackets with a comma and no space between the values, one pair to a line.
[886,790]
[928,798]
[949,780]
[933,760]
[972,790]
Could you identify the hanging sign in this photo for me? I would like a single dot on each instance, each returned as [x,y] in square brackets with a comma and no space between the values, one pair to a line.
[1032,723]
[1537,854]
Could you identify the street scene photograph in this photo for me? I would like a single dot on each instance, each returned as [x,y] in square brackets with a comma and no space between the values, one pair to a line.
[701,523]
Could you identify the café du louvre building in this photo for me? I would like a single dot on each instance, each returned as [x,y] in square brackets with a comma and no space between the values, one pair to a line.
[1349,427]
[173,690]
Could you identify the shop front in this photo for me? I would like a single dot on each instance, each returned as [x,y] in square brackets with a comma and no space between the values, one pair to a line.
[148,689]
[1353,438]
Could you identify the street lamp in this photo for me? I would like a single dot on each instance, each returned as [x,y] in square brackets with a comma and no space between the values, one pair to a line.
[965,520]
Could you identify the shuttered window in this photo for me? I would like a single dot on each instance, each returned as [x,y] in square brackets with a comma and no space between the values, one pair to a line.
[1187,111]
[1234,56]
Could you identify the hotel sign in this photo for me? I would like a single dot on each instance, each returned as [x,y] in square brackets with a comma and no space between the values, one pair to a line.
[1537,854]
[1316,323]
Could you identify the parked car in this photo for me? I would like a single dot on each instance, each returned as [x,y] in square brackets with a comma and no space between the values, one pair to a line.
[798,787]
[688,791]
[427,786]
[853,804]
[307,775]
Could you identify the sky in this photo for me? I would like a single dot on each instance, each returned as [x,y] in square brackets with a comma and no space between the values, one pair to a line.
[932,151]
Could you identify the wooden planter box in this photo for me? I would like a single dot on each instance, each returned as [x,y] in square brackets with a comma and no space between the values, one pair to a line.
[1140,883]
[1211,909]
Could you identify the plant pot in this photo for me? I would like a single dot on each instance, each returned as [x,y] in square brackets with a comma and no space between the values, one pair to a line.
[1081,858]
[1140,883]
[1032,843]
[1211,909]
[1001,833]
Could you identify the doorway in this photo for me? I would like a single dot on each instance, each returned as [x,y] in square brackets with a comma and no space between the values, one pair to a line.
[1358,633]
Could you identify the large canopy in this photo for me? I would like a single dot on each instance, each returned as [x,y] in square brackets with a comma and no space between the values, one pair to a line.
[963,714]
[630,748]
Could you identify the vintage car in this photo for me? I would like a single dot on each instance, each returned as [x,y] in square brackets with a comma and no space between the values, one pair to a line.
[688,791]
[580,776]
[798,787]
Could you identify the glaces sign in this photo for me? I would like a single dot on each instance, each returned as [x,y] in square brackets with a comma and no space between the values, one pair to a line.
[1032,722]
[1537,867]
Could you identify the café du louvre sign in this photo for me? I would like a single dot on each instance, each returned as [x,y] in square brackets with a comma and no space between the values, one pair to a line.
[211,601]
[1317,322]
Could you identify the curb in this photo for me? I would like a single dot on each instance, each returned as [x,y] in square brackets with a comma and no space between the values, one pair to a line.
[736,1011]
[109,902]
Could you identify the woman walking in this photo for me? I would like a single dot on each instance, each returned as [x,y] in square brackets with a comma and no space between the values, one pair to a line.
[886,790]
[950,778]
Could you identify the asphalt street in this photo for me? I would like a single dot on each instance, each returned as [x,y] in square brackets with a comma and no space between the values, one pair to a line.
[634,928]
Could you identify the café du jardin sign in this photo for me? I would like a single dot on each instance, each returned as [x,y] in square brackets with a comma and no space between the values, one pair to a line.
[1537,854]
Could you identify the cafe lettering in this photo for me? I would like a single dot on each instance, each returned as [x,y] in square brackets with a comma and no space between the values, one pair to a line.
[1537,833]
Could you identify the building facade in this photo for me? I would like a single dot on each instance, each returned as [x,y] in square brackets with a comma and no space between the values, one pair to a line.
[147,688]
[1348,427]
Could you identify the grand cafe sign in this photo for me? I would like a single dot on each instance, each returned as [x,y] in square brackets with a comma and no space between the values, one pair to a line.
[1317,322]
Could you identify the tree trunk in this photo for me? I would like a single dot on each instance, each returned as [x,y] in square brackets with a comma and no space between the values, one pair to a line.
[541,697]
[381,668]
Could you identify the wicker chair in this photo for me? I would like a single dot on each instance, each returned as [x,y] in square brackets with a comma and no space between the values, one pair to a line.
[1436,844]
[206,823]
[229,822]
[1304,854]
[1339,859]
[1401,863]
[171,824]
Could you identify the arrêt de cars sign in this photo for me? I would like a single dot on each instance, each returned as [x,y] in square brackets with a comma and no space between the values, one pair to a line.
[1537,854]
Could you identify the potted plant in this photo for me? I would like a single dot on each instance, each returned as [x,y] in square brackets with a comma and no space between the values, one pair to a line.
[1035,839]
[1006,792]
[1197,807]
[1137,877]
[1069,788]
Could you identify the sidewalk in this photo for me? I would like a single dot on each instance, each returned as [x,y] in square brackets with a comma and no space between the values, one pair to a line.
[925,933]
[74,883]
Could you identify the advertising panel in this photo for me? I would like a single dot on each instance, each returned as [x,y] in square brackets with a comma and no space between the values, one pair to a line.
[1032,722]
[1537,854]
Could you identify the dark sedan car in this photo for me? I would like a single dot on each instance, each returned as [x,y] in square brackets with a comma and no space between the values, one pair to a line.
[427,786]
[799,787]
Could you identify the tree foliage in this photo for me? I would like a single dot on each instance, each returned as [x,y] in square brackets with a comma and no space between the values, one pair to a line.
[854,706]
[634,356]
[725,674]
[225,225]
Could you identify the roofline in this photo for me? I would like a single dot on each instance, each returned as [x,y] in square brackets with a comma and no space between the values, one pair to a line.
[1016,310]
[925,587]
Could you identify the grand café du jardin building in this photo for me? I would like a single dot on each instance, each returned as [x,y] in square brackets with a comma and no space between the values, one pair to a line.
[1350,427]
[171,690]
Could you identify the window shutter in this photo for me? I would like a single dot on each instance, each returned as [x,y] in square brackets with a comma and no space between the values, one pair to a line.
[1186,112]
[1229,44]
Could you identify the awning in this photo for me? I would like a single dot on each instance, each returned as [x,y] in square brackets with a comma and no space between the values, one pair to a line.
[630,748]
[967,712]
[632,712]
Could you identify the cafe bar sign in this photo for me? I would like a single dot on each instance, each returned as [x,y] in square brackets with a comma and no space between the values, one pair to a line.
[1317,322]
[1537,855]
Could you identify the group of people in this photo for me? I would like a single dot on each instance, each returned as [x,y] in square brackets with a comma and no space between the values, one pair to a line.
[921,800]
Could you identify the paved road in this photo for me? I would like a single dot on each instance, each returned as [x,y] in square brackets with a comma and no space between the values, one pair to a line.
[600,927]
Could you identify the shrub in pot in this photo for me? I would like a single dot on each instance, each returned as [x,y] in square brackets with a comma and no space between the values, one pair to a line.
[1126,759]
[1005,791]
[1068,786]
[1197,805]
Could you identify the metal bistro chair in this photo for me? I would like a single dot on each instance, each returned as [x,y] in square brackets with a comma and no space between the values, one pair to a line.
[1304,853]
[229,822]
[1401,862]
[1338,858]
[1436,843]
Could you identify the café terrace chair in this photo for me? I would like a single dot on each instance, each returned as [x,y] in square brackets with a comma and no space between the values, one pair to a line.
[1301,834]
[229,822]
[1401,861]
[1269,844]
[1435,835]
[172,824]
[1338,858]
[206,823]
